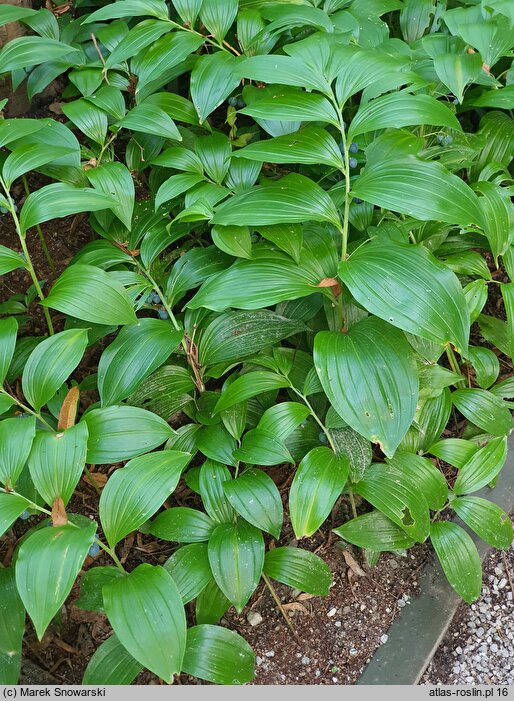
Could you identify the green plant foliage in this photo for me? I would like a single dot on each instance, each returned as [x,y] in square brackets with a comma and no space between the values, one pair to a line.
[296,213]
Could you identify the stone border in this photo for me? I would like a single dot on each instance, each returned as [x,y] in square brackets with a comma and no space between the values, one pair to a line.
[421,626]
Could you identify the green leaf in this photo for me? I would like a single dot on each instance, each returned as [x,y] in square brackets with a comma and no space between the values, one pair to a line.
[11,506]
[284,70]
[24,52]
[190,570]
[8,332]
[421,189]
[317,484]
[12,627]
[481,467]
[283,418]
[401,110]
[287,237]
[175,186]
[213,476]
[213,78]
[406,286]
[48,563]
[249,385]
[357,449]
[51,363]
[288,105]
[60,200]
[423,474]
[218,655]
[188,10]
[164,54]
[234,240]
[236,556]
[256,283]
[57,460]
[115,179]
[310,145]
[484,409]
[118,433]
[91,120]
[486,519]
[16,436]
[211,604]
[376,532]
[459,559]
[165,392]
[183,525]
[217,17]
[129,8]
[78,289]
[30,157]
[456,71]
[137,351]
[380,402]
[134,493]
[111,664]
[455,451]
[260,447]
[139,37]
[91,585]
[150,119]
[485,364]
[216,443]
[293,198]
[149,596]
[256,498]
[300,569]
[502,98]
[400,500]
[179,158]
[9,260]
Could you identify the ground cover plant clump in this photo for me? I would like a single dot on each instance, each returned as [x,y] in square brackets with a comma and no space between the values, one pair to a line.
[301,212]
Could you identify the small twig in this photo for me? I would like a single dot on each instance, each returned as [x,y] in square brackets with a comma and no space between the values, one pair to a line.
[281,608]
[507,569]
[100,55]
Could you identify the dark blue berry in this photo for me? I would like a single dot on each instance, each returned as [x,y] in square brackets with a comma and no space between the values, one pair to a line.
[341,147]
[353,162]
[354,147]
[25,515]
[357,200]
[232,101]
[3,210]
[322,437]
[240,104]
[447,140]
[163,314]
[94,550]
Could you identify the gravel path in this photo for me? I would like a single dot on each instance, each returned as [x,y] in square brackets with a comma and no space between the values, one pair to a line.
[479,646]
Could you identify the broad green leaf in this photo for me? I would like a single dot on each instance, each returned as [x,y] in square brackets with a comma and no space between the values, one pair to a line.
[254,284]
[486,519]
[211,604]
[111,664]
[134,493]
[278,107]
[293,198]
[455,451]
[11,506]
[284,70]
[56,462]
[164,54]
[115,179]
[376,532]
[139,37]
[234,240]
[183,525]
[48,563]
[212,478]
[217,17]
[287,237]
[137,351]
[179,158]
[216,443]
[424,190]
[406,286]
[24,52]
[415,18]
[150,119]
[249,385]
[502,98]
[60,200]
[260,447]
[190,570]
[380,401]
[498,216]
[357,449]
[8,331]
[129,8]
[507,290]
[91,585]
[283,418]
[484,409]
[310,145]
[30,157]
[91,120]
[218,655]
[459,559]
[149,596]
[300,569]
[485,364]
[121,432]
[188,10]
[456,71]
[9,260]
[236,556]
[256,498]
[398,110]
[403,502]
[78,289]
[175,186]
[422,473]
[12,627]
[317,484]
[14,13]
[213,78]
[482,467]
[16,436]
[165,392]
[51,363]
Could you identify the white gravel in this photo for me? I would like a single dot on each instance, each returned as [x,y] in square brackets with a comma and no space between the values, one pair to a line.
[480,648]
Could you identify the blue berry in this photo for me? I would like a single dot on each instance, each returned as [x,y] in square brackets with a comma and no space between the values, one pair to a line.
[353,162]
[354,147]
[447,140]
[232,101]
[357,200]
[341,147]
[3,210]
[240,104]
[94,550]
[322,437]
[163,314]
[25,515]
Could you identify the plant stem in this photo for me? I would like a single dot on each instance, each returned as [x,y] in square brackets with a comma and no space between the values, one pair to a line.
[352,502]
[346,173]
[28,410]
[316,418]
[32,504]
[92,481]
[112,554]
[280,607]
[454,365]
[40,231]
[28,261]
